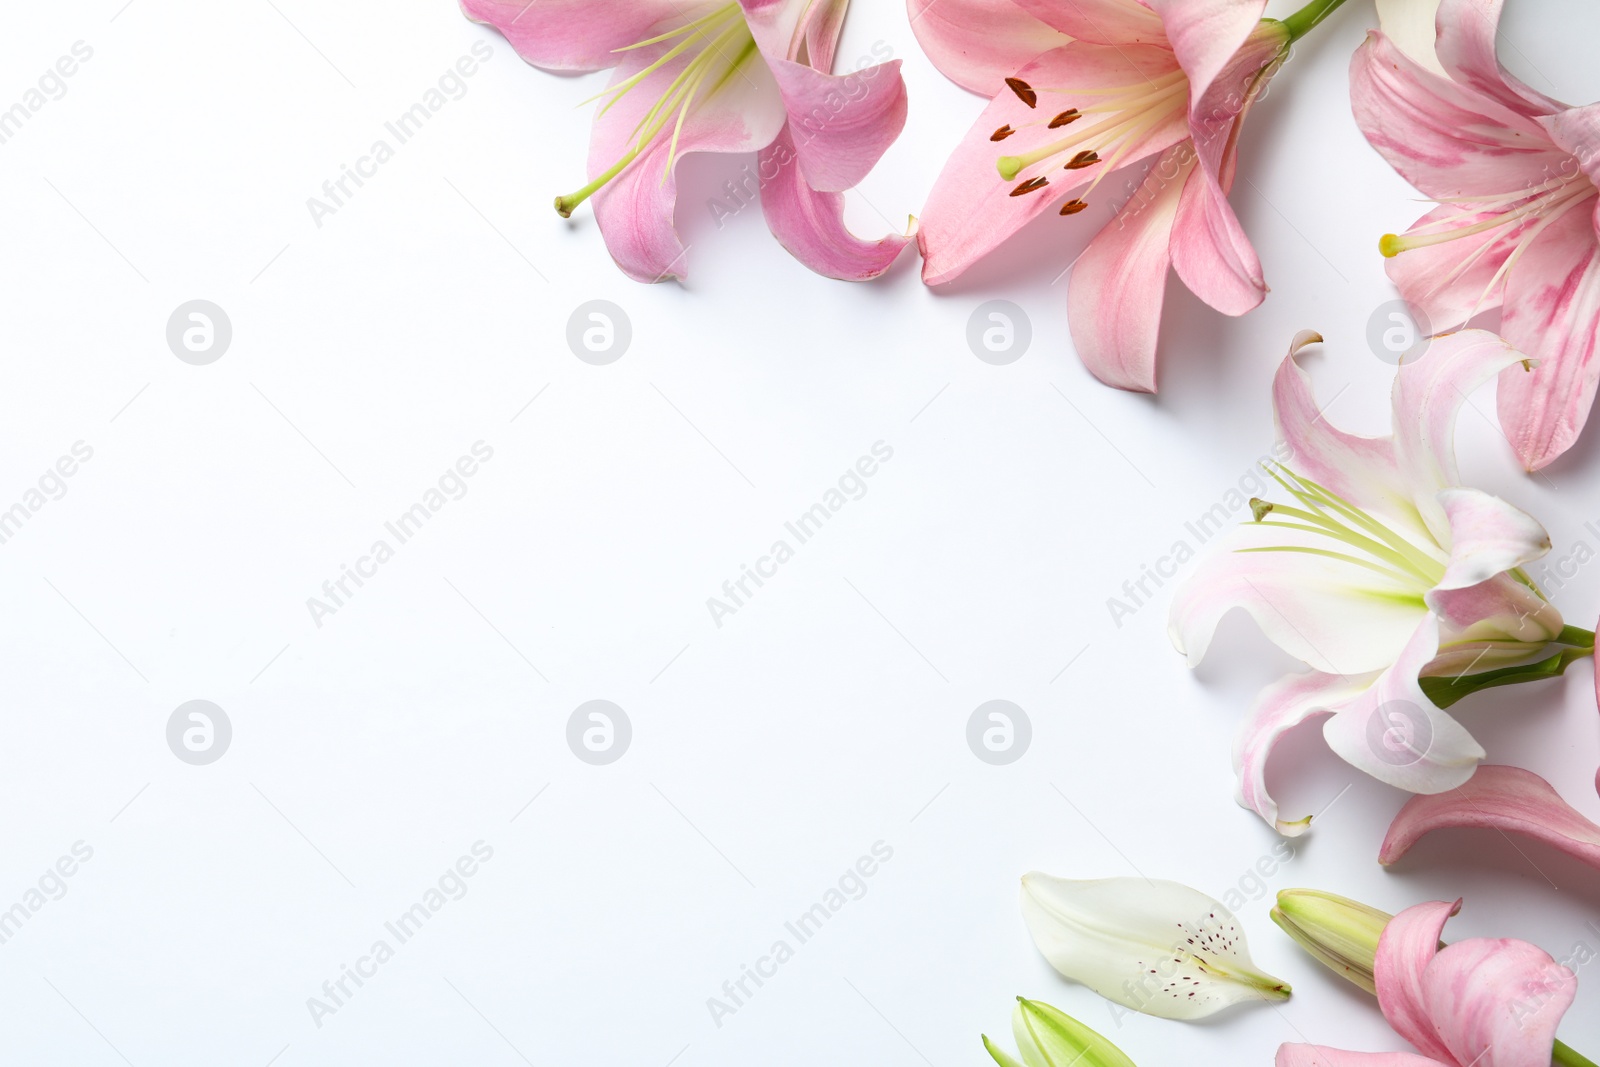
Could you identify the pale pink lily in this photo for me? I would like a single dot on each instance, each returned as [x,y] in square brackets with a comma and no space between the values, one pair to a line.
[1398,587]
[1514,173]
[1081,90]
[1504,799]
[713,76]
[1483,1002]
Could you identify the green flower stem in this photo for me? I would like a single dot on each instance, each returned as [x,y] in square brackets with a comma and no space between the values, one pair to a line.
[1303,21]
[1567,1056]
[1446,691]
[1576,636]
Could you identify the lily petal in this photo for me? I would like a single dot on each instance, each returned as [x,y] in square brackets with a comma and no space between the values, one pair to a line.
[1505,799]
[810,224]
[1205,34]
[1468,30]
[1576,131]
[1159,947]
[1410,25]
[979,43]
[1101,21]
[1405,949]
[971,211]
[1487,537]
[1393,732]
[1497,1002]
[1452,281]
[841,124]
[1281,707]
[1118,285]
[1323,1056]
[1552,306]
[577,34]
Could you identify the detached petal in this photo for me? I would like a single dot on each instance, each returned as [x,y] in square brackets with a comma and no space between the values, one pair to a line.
[810,224]
[1406,948]
[979,43]
[841,124]
[1487,537]
[1281,707]
[1552,306]
[1393,732]
[578,34]
[1159,948]
[1322,1056]
[1504,799]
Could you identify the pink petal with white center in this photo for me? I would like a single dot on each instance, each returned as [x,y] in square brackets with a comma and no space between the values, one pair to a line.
[1336,616]
[1443,138]
[1281,707]
[1322,1056]
[1452,281]
[1428,395]
[1406,947]
[841,124]
[1552,312]
[1410,25]
[1576,130]
[971,211]
[1502,799]
[1115,22]
[810,224]
[579,34]
[1205,34]
[978,44]
[1497,1002]
[635,210]
[1468,30]
[1115,294]
[1487,537]
[1393,732]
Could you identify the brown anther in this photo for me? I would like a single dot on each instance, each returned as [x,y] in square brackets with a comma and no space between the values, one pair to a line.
[1072,114]
[1024,91]
[1072,207]
[1002,133]
[1083,159]
[1030,186]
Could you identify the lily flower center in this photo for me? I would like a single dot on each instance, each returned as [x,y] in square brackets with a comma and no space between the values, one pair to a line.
[1124,115]
[716,45]
[1354,535]
[1526,212]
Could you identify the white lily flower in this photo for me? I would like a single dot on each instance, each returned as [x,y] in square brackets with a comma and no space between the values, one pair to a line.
[1159,948]
[1402,590]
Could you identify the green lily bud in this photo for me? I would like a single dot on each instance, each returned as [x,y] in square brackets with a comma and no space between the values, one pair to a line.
[1341,933]
[1049,1037]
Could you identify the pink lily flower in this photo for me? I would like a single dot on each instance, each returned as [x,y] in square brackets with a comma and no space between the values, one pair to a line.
[1398,587]
[1483,1002]
[1081,90]
[1514,173]
[713,76]
[1506,799]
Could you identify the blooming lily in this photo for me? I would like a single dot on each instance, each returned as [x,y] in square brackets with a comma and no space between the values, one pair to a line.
[1049,1037]
[1081,90]
[1156,947]
[714,76]
[1400,589]
[1506,799]
[1483,1002]
[1514,173]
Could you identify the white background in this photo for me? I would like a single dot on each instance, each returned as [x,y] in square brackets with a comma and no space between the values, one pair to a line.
[768,754]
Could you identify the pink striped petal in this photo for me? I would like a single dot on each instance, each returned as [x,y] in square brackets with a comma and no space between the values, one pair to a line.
[1452,281]
[1115,22]
[1395,733]
[971,211]
[1322,1056]
[1442,137]
[979,43]
[1468,30]
[1552,312]
[579,34]
[1497,1002]
[810,224]
[841,123]
[1405,949]
[1281,707]
[1487,537]
[1504,799]
[1115,294]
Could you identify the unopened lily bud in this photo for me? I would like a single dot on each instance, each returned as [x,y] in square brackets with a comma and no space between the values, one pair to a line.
[1341,933]
[1049,1037]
